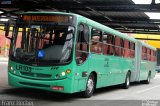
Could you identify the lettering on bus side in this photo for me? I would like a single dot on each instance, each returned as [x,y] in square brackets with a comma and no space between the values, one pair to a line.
[23,68]
[106,62]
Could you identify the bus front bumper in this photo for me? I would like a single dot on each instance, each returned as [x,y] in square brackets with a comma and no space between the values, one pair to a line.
[63,85]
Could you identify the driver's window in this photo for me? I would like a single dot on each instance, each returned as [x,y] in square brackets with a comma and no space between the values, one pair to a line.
[82,46]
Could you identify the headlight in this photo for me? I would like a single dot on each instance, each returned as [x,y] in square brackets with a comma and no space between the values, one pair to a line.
[63,73]
[11,68]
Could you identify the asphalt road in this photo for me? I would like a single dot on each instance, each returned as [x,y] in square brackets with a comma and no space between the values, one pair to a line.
[138,94]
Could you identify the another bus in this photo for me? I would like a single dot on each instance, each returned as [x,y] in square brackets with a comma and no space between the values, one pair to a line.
[68,53]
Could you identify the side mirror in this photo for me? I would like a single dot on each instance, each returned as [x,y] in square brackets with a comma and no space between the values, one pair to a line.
[6,29]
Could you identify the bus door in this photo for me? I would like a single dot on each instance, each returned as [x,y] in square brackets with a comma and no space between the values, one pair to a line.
[138,61]
[82,53]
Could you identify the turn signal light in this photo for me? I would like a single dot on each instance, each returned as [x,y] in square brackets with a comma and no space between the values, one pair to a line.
[68,71]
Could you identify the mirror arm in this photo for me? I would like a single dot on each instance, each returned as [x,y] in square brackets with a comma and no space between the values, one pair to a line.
[9,38]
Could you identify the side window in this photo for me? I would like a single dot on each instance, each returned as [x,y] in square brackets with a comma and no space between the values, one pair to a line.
[122,47]
[82,46]
[153,57]
[105,45]
[126,48]
[132,49]
[117,46]
[144,53]
[96,41]
[149,54]
[108,44]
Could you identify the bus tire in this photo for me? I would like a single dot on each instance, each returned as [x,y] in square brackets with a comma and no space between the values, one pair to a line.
[127,81]
[90,86]
[148,78]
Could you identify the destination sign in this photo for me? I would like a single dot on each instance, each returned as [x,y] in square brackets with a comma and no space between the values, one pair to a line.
[44,18]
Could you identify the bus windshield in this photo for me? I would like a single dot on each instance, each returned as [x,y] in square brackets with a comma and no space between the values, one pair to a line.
[43,44]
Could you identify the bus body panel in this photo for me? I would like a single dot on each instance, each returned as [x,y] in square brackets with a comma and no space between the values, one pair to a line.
[145,68]
[145,65]
[17,81]
[138,51]
[50,76]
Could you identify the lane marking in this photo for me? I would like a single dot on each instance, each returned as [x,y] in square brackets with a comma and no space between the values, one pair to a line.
[148,89]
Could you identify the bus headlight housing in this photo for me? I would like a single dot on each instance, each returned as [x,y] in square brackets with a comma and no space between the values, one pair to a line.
[63,73]
[10,68]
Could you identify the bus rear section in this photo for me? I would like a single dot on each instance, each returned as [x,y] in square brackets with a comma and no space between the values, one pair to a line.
[148,62]
[145,62]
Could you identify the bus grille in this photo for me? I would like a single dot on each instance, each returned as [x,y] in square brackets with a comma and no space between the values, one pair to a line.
[33,84]
[38,75]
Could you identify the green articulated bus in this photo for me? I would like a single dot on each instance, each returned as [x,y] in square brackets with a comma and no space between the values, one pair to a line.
[68,53]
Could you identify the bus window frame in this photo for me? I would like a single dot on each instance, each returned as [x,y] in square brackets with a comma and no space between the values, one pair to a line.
[126,48]
[132,49]
[78,50]
[118,46]
[99,42]
[122,47]
[110,45]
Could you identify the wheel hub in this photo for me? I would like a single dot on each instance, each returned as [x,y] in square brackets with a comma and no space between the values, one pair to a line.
[90,85]
[127,81]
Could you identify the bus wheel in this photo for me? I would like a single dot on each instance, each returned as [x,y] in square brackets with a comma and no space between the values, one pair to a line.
[127,81]
[90,86]
[148,78]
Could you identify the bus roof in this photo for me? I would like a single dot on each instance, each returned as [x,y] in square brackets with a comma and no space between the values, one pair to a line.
[47,12]
[114,32]
[107,29]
